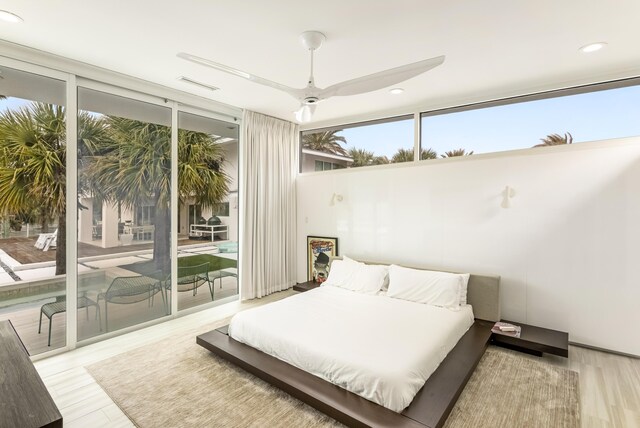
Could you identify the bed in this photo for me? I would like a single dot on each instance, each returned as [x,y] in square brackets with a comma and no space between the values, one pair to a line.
[394,374]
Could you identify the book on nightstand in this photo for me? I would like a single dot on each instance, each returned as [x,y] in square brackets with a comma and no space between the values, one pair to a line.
[506,329]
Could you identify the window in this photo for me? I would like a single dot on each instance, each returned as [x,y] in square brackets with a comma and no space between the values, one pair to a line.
[576,118]
[122,205]
[221,209]
[145,215]
[326,166]
[365,144]
[33,208]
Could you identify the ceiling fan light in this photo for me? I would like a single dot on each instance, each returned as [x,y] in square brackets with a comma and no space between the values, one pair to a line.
[304,114]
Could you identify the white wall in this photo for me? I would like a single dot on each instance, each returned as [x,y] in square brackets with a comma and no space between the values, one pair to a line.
[567,250]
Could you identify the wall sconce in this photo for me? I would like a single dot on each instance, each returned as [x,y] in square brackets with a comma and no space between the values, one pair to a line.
[336,197]
[507,194]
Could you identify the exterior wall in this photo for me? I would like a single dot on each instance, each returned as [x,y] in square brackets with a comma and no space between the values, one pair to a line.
[567,248]
[110,225]
[231,221]
[230,167]
[85,221]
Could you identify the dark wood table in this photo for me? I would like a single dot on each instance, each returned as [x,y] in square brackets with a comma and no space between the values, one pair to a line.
[24,400]
[306,286]
[535,340]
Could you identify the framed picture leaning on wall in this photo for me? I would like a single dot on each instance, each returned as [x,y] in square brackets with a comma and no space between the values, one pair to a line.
[320,250]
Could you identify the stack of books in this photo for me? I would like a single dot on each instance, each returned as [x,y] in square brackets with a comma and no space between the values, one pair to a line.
[506,329]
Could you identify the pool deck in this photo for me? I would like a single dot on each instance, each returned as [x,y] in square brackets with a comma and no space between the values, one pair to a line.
[24,312]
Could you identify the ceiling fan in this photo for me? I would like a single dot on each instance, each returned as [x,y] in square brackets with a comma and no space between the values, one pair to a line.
[311,95]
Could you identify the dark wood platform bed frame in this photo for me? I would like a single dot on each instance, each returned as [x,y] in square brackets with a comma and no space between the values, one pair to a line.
[431,405]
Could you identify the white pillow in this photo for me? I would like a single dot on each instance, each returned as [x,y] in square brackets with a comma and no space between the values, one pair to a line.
[356,276]
[385,283]
[340,272]
[425,286]
[464,277]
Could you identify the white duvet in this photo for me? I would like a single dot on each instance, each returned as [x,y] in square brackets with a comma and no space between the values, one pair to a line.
[381,348]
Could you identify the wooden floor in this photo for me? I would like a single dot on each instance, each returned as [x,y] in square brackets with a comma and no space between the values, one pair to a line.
[23,250]
[609,384]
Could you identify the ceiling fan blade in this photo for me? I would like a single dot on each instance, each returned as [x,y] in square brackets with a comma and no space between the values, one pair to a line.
[380,80]
[296,93]
[305,113]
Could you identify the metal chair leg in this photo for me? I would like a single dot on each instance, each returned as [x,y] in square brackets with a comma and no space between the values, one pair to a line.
[165,298]
[98,316]
[50,322]
[211,287]
[40,323]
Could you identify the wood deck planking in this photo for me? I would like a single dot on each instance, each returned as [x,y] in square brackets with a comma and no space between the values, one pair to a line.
[23,250]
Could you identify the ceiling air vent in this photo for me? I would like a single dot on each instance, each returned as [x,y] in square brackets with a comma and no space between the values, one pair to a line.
[195,82]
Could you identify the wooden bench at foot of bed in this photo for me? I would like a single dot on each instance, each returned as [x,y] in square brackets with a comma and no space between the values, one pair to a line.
[430,407]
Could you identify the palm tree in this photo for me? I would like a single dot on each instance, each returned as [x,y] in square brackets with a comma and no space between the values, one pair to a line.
[555,140]
[456,152]
[406,155]
[380,160]
[134,169]
[326,141]
[428,154]
[33,173]
[402,155]
[361,157]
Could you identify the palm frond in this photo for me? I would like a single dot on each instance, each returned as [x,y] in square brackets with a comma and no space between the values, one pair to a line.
[456,152]
[555,140]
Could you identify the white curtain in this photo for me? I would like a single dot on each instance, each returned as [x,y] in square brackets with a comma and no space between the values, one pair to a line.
[269,168]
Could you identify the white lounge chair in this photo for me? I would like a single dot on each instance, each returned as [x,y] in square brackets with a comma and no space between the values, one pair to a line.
[46,241]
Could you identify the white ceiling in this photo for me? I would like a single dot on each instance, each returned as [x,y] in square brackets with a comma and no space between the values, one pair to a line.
[492,47]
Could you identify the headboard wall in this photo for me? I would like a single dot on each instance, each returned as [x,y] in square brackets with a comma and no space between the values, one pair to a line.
[483,293]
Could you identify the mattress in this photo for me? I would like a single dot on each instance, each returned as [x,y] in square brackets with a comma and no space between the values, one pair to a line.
[381,348]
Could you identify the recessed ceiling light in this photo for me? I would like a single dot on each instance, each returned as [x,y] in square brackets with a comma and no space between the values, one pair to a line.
[9,17]
[396,91]
[592,47]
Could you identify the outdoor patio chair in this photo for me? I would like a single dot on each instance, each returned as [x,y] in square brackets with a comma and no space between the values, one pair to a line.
[126,290]
[192,277]
[219,274]
[60,305]
[46,240]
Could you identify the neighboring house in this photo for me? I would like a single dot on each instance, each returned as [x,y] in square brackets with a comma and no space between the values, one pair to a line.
[315,160]
[101,225]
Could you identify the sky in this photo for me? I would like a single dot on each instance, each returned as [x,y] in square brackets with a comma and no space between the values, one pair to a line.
[613,113]
[12,103]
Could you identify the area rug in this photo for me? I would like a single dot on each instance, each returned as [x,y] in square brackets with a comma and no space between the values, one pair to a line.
[176,383]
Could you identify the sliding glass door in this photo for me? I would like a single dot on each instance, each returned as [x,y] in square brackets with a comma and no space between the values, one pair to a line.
[33,207]
[208,207]
[124,218]
[102,191]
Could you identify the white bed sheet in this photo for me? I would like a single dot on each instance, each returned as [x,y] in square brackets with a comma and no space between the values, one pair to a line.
[378,347]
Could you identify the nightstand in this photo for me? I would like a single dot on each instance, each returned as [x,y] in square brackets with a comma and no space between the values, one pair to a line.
[306,286]
[535,340]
